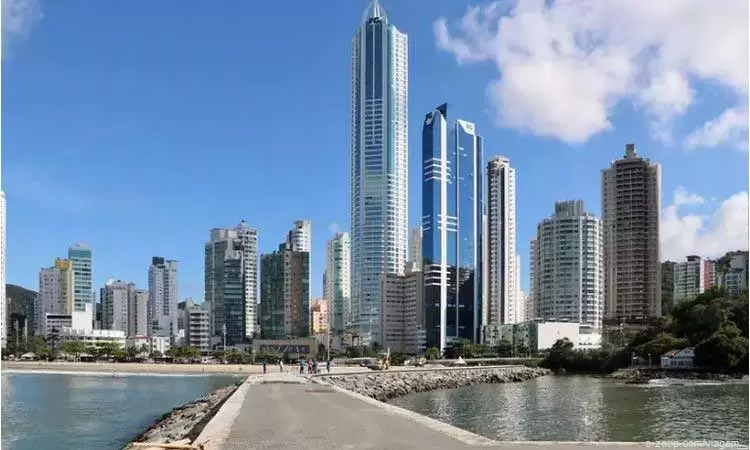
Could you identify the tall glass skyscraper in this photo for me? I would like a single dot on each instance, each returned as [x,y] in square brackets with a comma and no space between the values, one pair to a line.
[80,258]
[452,218]
[379,159]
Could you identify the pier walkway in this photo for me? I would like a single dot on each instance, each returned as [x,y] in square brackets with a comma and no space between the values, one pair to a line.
[284,411]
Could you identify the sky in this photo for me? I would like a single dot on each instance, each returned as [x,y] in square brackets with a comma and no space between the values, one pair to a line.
[136,127]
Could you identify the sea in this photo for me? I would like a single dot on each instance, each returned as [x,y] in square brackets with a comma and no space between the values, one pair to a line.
[91,410]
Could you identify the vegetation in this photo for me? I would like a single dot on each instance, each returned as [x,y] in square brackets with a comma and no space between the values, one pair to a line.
[715,324]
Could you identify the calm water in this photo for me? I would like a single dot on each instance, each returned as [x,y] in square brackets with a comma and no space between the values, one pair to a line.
[56,411]
[590,409]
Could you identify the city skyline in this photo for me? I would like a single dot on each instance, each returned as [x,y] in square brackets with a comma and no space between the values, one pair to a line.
[32,203]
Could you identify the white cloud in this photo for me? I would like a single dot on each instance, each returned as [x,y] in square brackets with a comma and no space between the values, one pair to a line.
[564,65]
[704,235]
[334,228]
[18,17]
[729,128]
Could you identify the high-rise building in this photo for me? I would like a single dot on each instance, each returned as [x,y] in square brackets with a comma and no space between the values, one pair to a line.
[689,279]
[531,300]
[138,307]
[415,246]
[733,275]
[301,236]
[285,293]
[163,297]
[379,164]
[569,278]
[452,217]
[631,201]
[337,282]
[115,297]
[56,292]
[231,282]
[80,258]
[319,321]
[501,242]
[3,300]
[403,311]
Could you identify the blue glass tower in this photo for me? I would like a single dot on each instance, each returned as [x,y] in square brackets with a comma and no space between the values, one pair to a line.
[452,215]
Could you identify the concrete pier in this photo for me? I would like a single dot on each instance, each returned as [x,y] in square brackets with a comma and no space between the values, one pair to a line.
[285,411]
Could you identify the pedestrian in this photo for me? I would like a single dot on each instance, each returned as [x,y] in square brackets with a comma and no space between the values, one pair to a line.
[328,365]
[309,366]
[263,364]
[281,365]
[315,366]
[301,366]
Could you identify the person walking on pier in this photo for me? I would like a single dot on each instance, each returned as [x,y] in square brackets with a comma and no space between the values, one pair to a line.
[301,366]
[263,364]
[281,365]
[315,366]
[328,365]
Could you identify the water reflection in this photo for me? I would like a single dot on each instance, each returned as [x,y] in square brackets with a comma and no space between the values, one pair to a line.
[590,409]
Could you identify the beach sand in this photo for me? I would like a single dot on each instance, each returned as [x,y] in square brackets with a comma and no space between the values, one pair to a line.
[144,368]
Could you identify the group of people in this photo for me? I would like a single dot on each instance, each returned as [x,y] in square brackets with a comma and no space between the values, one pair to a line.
[308,367]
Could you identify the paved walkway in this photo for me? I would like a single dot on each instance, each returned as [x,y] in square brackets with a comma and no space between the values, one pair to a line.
[284,411]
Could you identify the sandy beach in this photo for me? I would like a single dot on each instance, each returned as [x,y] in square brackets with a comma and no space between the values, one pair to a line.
[144,368]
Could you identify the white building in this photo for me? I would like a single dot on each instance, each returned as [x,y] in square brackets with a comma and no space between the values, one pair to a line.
[539,336]
[500,238]
[734,279]
[531,301]
[197,328]
[568,280]
[231,248]
[52,324]
[337,289]
[138,305]
[163,297]
[689,279]
[379,163]
[115,298]
[415,246]
[631,206]
[161,344]
[678,359]
[301,236]
[92,337]
[56,292]
[403,315]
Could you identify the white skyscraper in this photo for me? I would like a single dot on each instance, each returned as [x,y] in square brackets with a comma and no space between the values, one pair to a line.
[301,236]
[56,292]
[379,164]
[115,297]
[163,297]
[501,242]
[138,312]
[569,267]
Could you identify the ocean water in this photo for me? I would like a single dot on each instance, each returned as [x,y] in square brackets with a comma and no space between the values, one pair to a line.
[579,408]
[91,411]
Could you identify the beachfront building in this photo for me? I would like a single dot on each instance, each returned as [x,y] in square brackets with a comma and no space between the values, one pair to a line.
[92,337]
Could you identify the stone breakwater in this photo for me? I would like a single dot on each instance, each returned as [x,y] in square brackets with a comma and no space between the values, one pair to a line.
[384,385]
[186,421]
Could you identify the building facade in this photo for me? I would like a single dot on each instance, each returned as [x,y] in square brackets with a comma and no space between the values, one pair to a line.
[689,279]
[415,247]
[163,297]
[115,296]
[138,307]
[56,289]
[734,274]
[285,293]
[337,282]
[452,215]
[631,202]
[80,258]
[501,242]
[667,286]
[231,282]
[569,266]
[531,299]
[197,328]
[319,311]
[403,311]
[379,164]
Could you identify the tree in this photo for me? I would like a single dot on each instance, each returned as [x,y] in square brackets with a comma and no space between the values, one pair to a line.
[660,345]
[432,353]
[156,354]
[504,349]
[559,355]
[131,352]
[725,350]
[74,348]
[144,349]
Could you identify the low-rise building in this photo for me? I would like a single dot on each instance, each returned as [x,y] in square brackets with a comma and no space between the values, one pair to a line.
[92,337]
[293,348]
[402,311]
[678,359]
[197,328]
[535,337]
[153,344]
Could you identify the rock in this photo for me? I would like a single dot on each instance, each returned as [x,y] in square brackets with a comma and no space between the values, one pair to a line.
[182,421]
[386,385]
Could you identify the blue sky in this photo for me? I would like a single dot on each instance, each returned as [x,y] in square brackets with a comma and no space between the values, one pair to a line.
[136,127]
